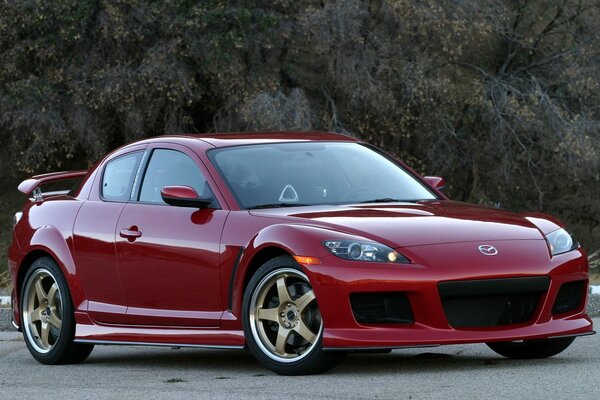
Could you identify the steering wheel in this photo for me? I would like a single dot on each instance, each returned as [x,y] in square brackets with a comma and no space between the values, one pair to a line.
[371,193]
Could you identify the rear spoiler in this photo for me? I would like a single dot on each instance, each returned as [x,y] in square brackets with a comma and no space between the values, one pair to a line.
[32,185]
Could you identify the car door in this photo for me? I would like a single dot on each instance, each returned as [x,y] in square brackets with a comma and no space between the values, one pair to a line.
[168,256]
[94,236]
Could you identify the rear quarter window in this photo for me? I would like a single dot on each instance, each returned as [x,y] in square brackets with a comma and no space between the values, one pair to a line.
[118,176]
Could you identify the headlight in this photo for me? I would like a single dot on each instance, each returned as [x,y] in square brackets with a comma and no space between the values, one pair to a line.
[364,251]
[561,241]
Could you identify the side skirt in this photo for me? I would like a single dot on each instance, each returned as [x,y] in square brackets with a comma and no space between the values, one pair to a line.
[172,345]
[88,331]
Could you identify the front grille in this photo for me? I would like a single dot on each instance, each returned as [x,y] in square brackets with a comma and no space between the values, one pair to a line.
[569,297]
[381,308]
[491,302]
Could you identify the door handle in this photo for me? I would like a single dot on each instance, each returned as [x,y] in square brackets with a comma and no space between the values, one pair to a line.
[130,234]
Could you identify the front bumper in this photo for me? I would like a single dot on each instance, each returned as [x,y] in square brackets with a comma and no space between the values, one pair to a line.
[420,335]
[334,280]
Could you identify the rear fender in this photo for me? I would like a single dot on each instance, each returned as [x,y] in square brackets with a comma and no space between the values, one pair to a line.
[48,239]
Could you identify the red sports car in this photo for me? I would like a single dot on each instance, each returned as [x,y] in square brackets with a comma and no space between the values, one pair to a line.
[298,246]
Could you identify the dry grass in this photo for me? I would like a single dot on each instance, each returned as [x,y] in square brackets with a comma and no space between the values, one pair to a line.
[4,279]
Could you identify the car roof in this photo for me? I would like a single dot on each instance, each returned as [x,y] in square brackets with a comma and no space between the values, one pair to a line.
[246,138]
[239,138]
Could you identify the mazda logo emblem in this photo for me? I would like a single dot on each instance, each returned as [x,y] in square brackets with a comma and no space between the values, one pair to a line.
[488,250]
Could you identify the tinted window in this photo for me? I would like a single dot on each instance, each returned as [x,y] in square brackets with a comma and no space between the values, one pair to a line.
[118,177]
[171,168]
[314,173]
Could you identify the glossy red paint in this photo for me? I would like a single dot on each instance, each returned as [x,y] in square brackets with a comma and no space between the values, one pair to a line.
[439,263]
[94,237]
[413,224]
[161,271]
[179,192]
[29,185]
[153,273]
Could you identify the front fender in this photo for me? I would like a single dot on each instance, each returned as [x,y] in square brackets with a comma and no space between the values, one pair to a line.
[294,239]
[302,240]
[544,222]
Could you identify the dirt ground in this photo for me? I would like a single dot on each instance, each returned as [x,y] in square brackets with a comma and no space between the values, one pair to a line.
[594,277]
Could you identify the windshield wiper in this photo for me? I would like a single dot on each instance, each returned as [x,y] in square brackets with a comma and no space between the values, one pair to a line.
[277,205]
[384,200]
[389,200]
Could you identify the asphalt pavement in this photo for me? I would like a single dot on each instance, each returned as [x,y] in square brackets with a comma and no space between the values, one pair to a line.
[449,372]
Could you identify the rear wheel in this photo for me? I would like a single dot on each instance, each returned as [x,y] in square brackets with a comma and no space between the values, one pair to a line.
[282,322]
[47,315]
[531,348]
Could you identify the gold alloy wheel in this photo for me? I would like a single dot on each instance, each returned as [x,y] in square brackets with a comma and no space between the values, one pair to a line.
[284,316]
[42,310]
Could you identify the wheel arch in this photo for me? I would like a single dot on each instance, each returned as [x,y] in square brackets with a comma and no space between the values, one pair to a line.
[250,261]
[262,256]
[271,242]
[48,241]
[26,263]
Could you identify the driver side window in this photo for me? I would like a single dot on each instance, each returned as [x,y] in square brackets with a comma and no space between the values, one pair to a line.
[171,168]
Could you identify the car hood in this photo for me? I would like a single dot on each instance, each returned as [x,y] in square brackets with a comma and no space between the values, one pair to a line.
[413,224]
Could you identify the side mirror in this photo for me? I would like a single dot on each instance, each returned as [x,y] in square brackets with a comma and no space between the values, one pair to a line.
[184,196]
[436,182]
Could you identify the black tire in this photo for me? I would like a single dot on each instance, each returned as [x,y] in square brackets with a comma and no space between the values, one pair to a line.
[63,350]
[530,349]
[314,360]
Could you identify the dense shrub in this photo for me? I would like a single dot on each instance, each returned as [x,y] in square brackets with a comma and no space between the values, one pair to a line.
[500,97]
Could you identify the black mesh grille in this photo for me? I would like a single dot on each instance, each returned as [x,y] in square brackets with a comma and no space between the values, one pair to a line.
[569,297]
[381,308]
[491,302]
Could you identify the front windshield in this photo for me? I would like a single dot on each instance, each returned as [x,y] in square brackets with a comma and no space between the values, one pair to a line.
[313,173]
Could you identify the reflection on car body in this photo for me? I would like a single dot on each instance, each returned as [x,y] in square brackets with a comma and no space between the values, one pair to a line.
[298,246]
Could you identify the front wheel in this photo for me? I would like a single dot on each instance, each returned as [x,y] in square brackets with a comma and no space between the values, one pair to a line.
[530,349]
[47,316]
[282,322]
